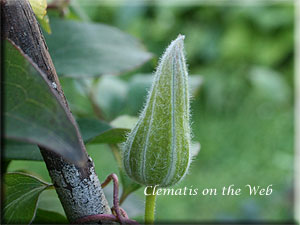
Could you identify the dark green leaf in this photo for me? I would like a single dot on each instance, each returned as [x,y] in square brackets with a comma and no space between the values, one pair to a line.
[88,49]
[110,94]
[32,110]
[20,150]
[91,127]
[21,196]
[49,217]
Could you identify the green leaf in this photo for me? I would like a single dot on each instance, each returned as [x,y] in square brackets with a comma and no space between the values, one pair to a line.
[49,217]
[91,127]
[95,131]
[111,136]
[128,185]
[45,24]
[110,94]
[22,151]
[81,49]
[21,196]
[33,112]
[124,121]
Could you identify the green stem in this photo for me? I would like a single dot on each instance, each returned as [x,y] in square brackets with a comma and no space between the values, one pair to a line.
[150,206]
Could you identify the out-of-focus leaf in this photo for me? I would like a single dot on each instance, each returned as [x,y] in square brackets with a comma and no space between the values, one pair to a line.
[91,127]
[118,131]
[39,8]
[128,185]
[20,150]
[49,201]
[88,49]
[76,92]
[110,95]
[33,112]
[111,136]
[49,217]
[21,194]
[45,24]
[124,121]
[270,84]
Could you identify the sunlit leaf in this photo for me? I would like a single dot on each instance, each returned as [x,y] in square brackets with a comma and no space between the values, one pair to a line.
[39,8]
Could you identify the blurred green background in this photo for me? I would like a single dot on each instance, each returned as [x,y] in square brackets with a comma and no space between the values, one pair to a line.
[242,112]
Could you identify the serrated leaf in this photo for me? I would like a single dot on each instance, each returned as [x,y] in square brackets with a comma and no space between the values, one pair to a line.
[21,194]
[81,49]
[33,112]
[22,151]
[49,217]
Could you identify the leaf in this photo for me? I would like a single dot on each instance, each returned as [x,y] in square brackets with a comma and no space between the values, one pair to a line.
[118,131]
[22,151]
[128,185]
[110,94]
[111,136]
[45,24]
[33,112]
[91,127]
[39,8]
[49,217]
[124,121]
[81,49]
[21,196]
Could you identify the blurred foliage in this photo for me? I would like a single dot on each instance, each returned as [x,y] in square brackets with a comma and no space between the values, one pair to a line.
[242,114]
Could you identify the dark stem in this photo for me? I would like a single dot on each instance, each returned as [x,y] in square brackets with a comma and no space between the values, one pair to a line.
[79,189]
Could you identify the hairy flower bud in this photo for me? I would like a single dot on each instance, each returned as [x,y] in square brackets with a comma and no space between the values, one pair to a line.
[157,150]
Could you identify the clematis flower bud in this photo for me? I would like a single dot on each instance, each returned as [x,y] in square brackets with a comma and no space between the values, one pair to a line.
[157,150]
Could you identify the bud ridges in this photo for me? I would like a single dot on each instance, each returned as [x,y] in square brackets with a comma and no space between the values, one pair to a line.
[157,150]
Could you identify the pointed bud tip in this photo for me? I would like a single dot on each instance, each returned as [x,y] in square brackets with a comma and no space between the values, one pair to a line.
[181,37]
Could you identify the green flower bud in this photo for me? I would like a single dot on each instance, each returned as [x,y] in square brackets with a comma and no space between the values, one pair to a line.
[157,150]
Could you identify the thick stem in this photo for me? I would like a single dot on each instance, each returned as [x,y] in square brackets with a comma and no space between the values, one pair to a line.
[150,206]
[79,189]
